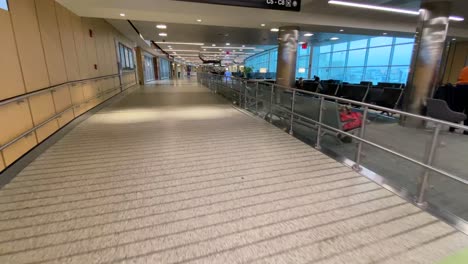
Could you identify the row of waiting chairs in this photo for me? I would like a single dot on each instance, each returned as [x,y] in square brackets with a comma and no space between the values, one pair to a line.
[384,94]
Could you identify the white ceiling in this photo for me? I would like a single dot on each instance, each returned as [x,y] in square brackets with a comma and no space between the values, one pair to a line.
[242,26]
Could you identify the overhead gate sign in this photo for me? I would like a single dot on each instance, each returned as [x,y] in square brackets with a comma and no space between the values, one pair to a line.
[285,5]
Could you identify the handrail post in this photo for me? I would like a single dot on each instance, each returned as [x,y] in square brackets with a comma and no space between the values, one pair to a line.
[245,95]
[240,95]
[319,130]
[292,112]
[256,98]
[362,131]
[271,102]
[428,161]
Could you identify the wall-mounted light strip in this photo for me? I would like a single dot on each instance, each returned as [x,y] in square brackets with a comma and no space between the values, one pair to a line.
[387,9]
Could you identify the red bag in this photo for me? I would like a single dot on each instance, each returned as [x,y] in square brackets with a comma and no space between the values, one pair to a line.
[351,120]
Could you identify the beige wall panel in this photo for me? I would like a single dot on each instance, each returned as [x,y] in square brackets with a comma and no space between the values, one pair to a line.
[100,47]
[68,42]
[15,119]
[62,98]
[46,130]
[79,36]
[76,92]
[113,39]
[51,41]
[19,148]
[90,47]
[89,90]
[65,118]
[2,165]
[10,70]
[42,107]
[79,109]
[29,44]
[111,53]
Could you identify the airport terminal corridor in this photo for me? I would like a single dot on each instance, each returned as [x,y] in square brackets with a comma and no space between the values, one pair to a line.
[175,174]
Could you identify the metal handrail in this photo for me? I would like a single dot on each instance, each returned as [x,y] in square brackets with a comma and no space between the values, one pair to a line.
[52,88]
[372,106]
[58,115]
[427,164]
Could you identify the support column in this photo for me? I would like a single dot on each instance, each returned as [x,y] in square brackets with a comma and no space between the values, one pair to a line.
[427,56]
[287,55]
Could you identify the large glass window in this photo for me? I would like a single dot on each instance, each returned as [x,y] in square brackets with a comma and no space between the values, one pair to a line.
[126,57]
[379,56]
[376,59]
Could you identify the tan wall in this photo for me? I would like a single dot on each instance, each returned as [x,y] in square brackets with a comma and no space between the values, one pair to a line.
[45,45]
[457,59]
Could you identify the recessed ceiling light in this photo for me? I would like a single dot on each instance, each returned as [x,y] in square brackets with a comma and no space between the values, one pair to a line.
[213,45]
[385,33]
[161,26]
[262,25]
[170,47]
[274,29]
[204,49]
[454,39]
[162,34]
[228,44]
[334,38]
[199,20]
[308,34]
[122,14]
[220,49]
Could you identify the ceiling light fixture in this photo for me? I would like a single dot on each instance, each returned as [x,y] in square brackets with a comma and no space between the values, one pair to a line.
[456,18]
[308,35]
[162,34]
[199,20]
[228,44]
[181,43]
[122,14]
[213,45]
[385,33]
[387,9]
[262,25]
[161,26]
[334,38]
[341,30]
[274,29]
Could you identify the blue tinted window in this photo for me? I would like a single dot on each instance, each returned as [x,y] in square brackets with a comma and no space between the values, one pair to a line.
[340,46]
[376,74]
[336,73]
[402,54]
[324,60]
[358,44]
[398,74]
[357,57]
[403,40]
[354,74]
[379,56]
[324,49]
[323,73]
[338,59]
[380,41]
